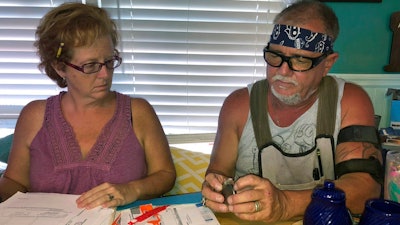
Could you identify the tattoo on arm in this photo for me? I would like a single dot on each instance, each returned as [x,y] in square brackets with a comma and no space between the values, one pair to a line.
[362,149]
[369,150]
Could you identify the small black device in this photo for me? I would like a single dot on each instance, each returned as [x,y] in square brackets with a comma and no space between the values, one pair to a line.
[227,189]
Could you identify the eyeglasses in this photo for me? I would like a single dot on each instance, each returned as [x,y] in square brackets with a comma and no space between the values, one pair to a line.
[95,67]
[296,63]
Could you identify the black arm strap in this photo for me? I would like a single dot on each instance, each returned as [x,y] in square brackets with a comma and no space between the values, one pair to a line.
[359,133]
[371,166]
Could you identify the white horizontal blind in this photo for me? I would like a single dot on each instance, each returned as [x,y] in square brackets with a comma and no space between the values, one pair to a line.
[20,80]
[183,56]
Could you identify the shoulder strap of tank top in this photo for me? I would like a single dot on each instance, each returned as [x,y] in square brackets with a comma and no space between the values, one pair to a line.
[326,109]
[327,106]
[259,112]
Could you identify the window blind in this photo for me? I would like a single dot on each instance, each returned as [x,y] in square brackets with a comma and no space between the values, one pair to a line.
[183,56]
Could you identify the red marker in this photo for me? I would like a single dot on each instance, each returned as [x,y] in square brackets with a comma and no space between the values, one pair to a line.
[148,214]
[117,220]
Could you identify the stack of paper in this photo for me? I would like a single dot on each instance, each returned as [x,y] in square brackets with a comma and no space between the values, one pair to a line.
[393,139]
[188,214]
[50,209]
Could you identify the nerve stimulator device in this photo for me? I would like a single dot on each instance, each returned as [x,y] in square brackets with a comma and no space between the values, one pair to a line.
[227,189]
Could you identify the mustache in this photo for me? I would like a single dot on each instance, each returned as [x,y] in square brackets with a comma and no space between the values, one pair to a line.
[285,79]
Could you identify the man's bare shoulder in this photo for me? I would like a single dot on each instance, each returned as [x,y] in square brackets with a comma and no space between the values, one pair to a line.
[355,94]
[356,105]
[234,111]
[352,88]
[238,98]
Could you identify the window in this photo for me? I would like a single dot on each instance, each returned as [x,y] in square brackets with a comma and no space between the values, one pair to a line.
[183,56]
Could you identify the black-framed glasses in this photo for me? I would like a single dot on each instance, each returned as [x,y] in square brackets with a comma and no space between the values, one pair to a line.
[296,63]
[95,67]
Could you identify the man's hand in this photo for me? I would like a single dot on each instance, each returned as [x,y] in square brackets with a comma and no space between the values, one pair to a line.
[257,198]
[211,191]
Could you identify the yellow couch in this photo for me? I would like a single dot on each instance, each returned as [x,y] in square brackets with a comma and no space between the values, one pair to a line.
[190,169]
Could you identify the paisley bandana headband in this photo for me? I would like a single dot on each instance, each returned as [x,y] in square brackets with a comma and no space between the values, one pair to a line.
[300,38]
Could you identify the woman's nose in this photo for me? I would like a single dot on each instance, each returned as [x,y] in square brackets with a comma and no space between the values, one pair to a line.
[104,72]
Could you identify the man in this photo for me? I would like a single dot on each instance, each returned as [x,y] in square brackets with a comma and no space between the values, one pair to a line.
[281,138]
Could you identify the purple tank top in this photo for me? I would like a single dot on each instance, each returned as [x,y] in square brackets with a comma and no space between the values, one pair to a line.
[56,163]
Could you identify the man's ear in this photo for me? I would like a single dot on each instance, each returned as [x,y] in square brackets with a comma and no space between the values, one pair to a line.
[330,60]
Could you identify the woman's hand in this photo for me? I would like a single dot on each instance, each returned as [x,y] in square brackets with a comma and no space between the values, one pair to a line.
[258,199]
[105,195]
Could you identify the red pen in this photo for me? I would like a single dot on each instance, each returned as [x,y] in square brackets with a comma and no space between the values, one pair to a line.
[148,214]
[117,220]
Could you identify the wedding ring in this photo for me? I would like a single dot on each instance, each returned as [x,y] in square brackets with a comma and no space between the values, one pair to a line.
[203,201]
[257,206]
[110,197]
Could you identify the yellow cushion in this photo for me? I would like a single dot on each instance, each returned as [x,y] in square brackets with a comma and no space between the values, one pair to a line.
[190,169]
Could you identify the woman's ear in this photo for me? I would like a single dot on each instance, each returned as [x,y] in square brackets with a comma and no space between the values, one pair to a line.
[59,67]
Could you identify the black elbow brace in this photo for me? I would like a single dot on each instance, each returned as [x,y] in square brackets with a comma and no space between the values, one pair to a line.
[371,166]
[358,133]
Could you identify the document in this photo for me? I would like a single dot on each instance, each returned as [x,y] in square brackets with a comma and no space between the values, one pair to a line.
[181,214]
[50,209]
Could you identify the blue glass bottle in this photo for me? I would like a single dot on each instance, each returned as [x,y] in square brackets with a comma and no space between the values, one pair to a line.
[328,206]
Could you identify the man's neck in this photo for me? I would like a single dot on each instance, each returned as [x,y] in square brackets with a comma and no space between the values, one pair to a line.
[283,114]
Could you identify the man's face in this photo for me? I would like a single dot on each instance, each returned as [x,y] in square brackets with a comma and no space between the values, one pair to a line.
[293,87]
[295,83]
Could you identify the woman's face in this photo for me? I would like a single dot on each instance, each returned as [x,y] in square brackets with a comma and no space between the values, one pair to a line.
[94,85]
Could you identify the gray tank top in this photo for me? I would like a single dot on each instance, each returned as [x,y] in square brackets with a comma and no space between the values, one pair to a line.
[297,138]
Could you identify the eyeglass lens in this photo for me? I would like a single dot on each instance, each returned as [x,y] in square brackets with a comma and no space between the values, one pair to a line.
[296,63]
[96,66]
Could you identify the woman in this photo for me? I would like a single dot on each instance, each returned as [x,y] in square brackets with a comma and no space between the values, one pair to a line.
[106,146]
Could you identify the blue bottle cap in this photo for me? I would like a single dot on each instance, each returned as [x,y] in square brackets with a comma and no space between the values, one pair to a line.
[329,192]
